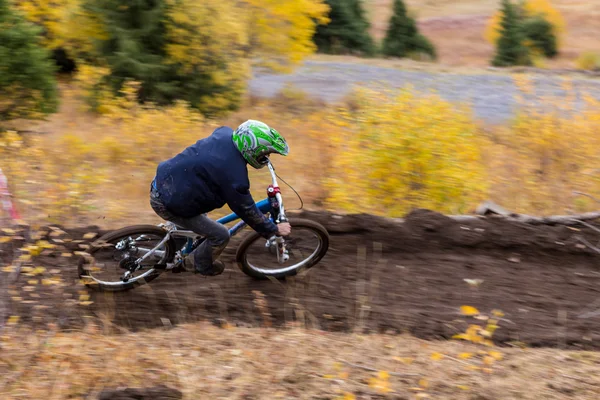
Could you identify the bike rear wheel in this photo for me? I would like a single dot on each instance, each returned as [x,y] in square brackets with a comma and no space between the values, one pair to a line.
[307,245]
[103,269]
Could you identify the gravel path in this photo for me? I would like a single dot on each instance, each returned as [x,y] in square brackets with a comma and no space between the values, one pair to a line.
[492,95]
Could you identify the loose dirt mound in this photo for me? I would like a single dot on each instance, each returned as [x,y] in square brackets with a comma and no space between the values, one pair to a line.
[379,275]
[155,393]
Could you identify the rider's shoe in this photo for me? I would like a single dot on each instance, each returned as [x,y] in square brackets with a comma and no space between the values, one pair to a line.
[215,269]
[187,264]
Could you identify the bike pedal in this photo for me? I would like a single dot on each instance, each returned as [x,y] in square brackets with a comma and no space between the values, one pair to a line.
[160,266]
[178,269]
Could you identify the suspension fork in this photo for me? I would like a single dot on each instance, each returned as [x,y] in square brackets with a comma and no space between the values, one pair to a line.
[278,210]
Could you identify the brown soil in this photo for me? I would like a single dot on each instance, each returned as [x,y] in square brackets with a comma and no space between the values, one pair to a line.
[379,275]
[155,393]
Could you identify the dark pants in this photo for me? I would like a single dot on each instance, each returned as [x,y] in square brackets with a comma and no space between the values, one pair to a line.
[217,235]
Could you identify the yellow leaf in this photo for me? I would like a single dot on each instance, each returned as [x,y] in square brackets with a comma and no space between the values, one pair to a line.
[32,282]
[491,328]
[463,387]
[86,303]
[423,383]
[8,231]
[5,239]
[383,375]
[13,319]
[488,360]
[45,244]
[485,333]
[436,356]
[24,257]
[469,310]
[349,396]
[90,235]
[405,360]
[498,313]
[461,336]
[9,268]
[328,376]
[465,356]
[496,354]
[343,375]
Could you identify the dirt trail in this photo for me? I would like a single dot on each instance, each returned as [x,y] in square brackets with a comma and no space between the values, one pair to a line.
[405,277]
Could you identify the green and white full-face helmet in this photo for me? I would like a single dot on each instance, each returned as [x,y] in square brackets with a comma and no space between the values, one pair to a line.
[256,140]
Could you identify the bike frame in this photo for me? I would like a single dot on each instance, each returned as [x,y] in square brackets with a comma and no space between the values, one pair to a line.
[273,204]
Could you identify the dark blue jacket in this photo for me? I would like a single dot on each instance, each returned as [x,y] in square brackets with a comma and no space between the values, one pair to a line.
[206,176]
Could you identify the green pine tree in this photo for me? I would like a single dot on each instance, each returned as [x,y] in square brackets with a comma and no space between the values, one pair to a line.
[348,30]
[510,47]
[135,47]
[27,80]
[403,38]
[139,33]
[541,35]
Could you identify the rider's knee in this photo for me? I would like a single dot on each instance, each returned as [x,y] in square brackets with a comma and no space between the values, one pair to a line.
[221,236]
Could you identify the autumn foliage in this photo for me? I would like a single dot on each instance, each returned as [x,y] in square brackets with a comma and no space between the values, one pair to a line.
[406,151]
[200,52]
[384,153]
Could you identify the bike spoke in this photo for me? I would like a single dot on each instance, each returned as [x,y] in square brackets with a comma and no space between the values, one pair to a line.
[118,261]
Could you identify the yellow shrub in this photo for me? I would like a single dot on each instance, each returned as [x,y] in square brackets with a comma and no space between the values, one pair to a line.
[91,87]
[281,30]
[406,152]
[381,153]
[589,61]
[554,156]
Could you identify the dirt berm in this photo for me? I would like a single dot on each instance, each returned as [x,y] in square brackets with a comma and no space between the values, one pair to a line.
[379,275]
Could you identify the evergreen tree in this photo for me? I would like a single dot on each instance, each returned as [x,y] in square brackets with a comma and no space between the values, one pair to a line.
[348,30]
[402,37]
[510,47]
[135,46]
[177,49]
[540,33]
[27,80]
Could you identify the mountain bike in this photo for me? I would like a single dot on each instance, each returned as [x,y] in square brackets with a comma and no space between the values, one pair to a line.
[138,254]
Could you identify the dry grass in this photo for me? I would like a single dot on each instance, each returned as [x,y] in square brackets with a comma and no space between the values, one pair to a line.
[111,160]
[456,28]
[121,197]
[204,361]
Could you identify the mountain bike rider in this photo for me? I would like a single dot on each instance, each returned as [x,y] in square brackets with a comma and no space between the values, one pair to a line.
[206,176]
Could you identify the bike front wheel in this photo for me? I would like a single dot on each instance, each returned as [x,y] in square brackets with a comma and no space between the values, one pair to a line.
[306,245]
[115,255]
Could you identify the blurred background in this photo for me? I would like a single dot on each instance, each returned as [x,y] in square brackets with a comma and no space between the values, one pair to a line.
[390,107]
